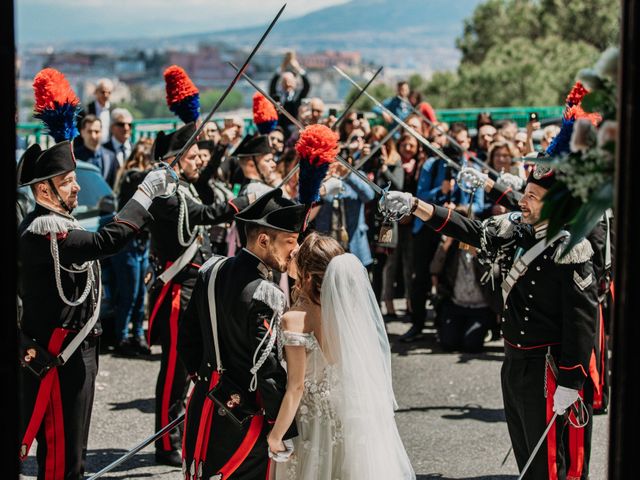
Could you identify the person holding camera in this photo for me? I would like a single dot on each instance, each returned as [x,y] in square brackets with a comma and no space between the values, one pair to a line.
[289,86]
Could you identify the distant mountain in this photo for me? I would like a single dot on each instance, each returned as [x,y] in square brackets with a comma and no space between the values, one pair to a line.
[409,34]
[403,32]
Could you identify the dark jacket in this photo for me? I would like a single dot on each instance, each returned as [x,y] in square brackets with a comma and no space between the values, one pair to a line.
[242,324]
[102,158]
[554,303]
[43,309]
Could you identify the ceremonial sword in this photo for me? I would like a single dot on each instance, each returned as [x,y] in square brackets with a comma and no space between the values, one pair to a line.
[177,421]
[538,445]
[409,129]
[451,139]
[195,134]
[297,123]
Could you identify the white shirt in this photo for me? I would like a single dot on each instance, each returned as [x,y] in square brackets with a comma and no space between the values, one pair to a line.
[120,155]
[104,115]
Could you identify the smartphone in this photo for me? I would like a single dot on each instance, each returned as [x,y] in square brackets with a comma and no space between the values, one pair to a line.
[333,112]
[360,115]
[533,117]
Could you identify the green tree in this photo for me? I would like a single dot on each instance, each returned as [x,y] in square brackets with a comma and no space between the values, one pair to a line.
[524,52]
[208,98]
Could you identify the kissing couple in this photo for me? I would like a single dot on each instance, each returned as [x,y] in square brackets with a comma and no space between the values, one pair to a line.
[309,387]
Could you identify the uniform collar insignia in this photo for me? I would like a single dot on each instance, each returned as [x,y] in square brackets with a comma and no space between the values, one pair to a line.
[540,230]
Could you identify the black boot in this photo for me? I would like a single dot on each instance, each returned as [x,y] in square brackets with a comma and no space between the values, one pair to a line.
[413,334]
[171,458]
[140,343]
[125,349]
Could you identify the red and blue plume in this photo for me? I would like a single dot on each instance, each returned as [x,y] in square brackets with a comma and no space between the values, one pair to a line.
[265,115]
[183,97]
[317,148]
[56,104]
[572,112]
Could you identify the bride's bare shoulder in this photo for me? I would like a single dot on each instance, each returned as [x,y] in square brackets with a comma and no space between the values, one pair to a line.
[294,321]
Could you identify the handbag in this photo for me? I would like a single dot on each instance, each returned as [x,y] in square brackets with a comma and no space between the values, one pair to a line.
[232,401]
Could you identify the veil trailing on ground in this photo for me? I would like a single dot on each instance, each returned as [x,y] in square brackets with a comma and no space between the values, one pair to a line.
[355,343]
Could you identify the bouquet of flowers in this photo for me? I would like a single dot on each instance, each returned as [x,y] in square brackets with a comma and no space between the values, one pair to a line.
[583,153]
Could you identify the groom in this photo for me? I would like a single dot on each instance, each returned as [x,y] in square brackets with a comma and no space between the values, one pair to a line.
[213,445]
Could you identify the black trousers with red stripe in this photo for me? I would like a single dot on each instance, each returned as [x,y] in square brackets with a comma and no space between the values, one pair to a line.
[565,453]
[214,444]
[168,306]
[64,432]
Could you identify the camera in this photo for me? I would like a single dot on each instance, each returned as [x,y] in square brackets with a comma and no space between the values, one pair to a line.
[534,117]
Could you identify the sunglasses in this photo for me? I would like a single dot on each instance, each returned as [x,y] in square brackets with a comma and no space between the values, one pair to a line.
[317,110]
[123,124]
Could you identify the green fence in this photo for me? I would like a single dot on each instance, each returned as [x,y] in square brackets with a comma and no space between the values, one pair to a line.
[148,128]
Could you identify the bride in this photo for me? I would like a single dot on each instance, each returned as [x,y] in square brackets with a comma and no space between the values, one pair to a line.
[339,374]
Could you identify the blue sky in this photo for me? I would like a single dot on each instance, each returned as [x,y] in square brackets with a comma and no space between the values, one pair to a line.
[46,21]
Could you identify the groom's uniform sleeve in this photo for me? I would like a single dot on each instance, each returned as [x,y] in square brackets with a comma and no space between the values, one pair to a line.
[272,378]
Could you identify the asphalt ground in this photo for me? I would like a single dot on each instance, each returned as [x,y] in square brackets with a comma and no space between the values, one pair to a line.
[450,417]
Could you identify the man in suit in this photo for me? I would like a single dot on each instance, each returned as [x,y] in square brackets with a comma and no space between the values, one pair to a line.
[93,152]
[120,141]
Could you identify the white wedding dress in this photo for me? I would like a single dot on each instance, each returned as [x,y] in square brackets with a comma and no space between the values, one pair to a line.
[346,424]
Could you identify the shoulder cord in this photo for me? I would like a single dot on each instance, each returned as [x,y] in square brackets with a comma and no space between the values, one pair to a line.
[85,267]
[274,327]
[183,222]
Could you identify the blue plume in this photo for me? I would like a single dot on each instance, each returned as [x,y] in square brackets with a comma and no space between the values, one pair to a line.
[560,143]
[187,109]
[311,178]
[265,128]
[60,121]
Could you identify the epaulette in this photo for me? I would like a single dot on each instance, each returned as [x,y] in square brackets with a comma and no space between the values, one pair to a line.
[209,263]
[269,294]
[578,254]
[505,224]
[52,223]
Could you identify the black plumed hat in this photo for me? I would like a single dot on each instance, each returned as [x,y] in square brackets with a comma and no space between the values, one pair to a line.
[272,210]
[167,145]
[37,164]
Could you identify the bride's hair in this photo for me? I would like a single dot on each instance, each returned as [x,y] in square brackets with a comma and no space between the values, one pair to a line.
[312,261]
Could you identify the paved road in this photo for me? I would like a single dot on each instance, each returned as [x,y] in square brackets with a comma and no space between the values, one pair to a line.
[450,417]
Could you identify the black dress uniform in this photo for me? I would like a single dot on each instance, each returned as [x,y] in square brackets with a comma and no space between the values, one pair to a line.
[552,306]
[178,222]
[596,391]
[56,408]
[214,444]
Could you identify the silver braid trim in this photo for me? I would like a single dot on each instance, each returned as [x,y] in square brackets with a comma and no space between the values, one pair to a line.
[269,294]
[85,267]
[183,221]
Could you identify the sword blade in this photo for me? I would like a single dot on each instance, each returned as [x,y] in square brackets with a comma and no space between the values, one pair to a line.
[451,139]
[397,119]
[343,115]
[193,137]
[538,445]
[297,123]
[177,421]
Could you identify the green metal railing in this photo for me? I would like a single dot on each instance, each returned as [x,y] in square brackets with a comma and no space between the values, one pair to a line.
[34,132]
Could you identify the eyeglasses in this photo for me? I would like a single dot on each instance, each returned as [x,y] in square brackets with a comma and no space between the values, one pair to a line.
[104,91]
[123,124]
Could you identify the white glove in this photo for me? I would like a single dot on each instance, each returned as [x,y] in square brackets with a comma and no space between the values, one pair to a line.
[282,456]
[160,182]
[563,399]
[471,179]
[396,202]
[511,180]
[332,186]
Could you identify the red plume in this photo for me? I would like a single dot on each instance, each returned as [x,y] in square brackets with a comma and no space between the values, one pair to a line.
[263,109]
[576,94]
[576,112]
[52,90]
[318,143]
[178,85]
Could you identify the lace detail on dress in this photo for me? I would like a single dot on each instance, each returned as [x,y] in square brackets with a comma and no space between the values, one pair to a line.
[294,339]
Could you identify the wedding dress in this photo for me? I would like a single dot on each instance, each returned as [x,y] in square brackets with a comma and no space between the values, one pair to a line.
[345,420]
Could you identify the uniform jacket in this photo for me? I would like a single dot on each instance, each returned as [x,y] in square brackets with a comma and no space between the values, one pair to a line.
[553,304]
[243,316]
[43,309]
